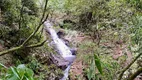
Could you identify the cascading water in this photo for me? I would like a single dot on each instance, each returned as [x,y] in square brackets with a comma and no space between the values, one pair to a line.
[61,47]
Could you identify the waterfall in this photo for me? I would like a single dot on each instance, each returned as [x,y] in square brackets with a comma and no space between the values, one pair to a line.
[61,47]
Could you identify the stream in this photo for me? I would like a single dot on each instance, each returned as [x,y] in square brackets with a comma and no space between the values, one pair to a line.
[61,48]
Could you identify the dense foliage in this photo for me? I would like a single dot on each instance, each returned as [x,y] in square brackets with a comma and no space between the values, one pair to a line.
[112,29]
[20,72]
[18,16]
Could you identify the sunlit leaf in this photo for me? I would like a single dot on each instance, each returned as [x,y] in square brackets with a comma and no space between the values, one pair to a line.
[15,72]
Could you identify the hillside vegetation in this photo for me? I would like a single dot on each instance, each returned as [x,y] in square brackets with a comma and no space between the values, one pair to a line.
[106,33]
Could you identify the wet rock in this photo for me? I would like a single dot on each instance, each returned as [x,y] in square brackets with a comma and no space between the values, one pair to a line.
[59,61]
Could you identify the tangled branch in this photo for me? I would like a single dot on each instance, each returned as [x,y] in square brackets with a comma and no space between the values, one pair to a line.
[30,37]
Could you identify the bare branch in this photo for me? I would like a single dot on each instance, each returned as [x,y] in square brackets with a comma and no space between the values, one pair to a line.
[36,45]
[121,74]
[21,47]
[10,50]
[40,23]
[133,76]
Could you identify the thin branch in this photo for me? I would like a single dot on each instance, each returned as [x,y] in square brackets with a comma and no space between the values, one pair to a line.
[10,50]
[45,18]
[36,45]
[40,23]
[133,76]
[30,37]
[21,47]
[44,11]
[21,16]
[120,76]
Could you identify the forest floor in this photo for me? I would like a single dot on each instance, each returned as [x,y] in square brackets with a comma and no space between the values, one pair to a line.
[116,50]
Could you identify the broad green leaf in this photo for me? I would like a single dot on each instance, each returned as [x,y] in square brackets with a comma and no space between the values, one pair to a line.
[98,63]
[29,73]
[21,69]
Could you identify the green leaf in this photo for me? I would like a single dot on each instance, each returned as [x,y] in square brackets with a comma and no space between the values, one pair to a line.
[29,73]
[89,74]
[13,78]
[3,65]
[21,73]
[98,63]
[91,70]
[21,69]
[15,72]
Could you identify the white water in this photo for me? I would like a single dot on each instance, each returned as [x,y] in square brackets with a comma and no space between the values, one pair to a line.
[60,46]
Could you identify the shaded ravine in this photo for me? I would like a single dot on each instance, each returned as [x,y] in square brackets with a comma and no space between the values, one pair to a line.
[61,47]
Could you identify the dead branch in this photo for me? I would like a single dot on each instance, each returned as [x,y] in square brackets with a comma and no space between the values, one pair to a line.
[133,76]
[121,74]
